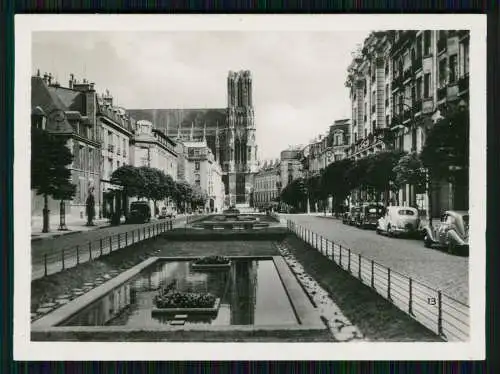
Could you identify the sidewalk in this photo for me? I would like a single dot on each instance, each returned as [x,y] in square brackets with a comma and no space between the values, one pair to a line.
[73,227]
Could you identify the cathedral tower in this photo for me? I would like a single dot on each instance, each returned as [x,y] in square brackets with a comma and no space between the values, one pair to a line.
[241,158]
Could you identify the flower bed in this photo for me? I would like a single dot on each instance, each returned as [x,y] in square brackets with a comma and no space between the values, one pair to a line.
[211,262]
[171,301]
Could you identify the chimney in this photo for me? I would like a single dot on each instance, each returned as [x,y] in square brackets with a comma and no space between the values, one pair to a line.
[38,72]
[71,80]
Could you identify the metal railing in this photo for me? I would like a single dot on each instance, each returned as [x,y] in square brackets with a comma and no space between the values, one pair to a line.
[442,314]
[70,257]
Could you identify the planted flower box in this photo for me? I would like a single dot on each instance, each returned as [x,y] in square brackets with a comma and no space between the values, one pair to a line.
[211,263]
[185,303]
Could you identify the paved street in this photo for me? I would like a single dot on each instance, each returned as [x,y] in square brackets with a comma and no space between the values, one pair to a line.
[407,256]
[52,248]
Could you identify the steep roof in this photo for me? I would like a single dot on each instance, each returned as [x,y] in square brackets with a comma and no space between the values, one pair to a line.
[48,101]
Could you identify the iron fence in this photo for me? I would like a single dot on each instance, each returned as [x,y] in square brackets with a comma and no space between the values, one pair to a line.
[87,251]
[438,312]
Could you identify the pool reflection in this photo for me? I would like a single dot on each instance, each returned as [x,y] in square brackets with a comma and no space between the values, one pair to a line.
[251,293]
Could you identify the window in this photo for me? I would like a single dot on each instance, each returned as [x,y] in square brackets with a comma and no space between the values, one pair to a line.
[406,212]
[464,59]
[374,125]
[442,73]
[427,85]
[366,132]
[427,42]
[453,68]
[418,89]
[387,120]
[197,166]
[387,95]
[117,164]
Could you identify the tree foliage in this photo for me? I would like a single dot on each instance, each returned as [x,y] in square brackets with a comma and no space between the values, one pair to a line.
[410,170]
[446,150]
[49,160]
[131,179]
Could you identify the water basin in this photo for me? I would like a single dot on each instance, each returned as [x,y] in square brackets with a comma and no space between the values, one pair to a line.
[250,292]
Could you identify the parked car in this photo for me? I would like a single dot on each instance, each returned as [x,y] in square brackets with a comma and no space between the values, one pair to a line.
[452,232]
[354,215]
[369,215]
[399,220]
[140,212]
[166,213]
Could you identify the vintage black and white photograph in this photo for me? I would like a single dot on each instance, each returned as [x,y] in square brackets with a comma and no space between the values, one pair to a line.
[237,179]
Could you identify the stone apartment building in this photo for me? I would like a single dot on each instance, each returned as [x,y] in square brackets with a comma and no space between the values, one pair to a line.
[153,148]
[399,83]
[267,184]
[290,165]
[203,170]
[115,133]
[69,112]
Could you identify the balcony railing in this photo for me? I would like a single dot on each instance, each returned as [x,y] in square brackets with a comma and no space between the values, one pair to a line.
[441,45]
[407,74]
[111,148]
[463,83]
[441,93]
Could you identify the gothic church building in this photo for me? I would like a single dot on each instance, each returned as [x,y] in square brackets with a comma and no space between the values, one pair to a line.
[229,133]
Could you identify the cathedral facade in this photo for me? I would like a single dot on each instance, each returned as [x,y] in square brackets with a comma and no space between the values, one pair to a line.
[229,133]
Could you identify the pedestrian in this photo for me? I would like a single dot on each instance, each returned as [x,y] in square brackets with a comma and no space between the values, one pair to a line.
[90,207]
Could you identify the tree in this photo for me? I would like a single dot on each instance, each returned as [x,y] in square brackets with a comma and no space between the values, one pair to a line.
[335,181]
[182,194]
[445,154]
[379,172]
[198,197]
[49,173]
[131,179]
[410,170]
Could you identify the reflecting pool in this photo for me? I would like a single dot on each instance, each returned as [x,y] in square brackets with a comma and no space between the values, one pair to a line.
[251,293]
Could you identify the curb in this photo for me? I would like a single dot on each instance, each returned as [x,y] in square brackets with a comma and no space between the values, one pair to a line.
[36,239]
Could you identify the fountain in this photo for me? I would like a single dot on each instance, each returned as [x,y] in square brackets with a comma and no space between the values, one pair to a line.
[231,219]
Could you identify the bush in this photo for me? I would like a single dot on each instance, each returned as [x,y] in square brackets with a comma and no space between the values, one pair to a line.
[212,260]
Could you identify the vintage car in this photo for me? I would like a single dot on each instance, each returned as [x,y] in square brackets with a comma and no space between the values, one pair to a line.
[399,220]
[452,232]
[166,213]
[350,216]
[369,215]
[140,212]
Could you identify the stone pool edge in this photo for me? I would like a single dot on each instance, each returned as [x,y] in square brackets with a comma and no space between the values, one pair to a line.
[309,321]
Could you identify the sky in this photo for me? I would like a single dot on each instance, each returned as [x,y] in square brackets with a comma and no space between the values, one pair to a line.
[298,77]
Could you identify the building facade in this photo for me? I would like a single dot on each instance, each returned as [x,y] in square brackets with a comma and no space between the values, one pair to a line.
[400,82]
[267,184]
[152,148]
[204,171]
[291,166]
[229,133]
[70,112]
[115,132]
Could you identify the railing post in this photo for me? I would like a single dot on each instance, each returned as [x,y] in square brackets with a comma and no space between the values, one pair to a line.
[126,239]
[143,233]
[149,232]
[62,258]
[90,251]
[133,239]
[110,243]
[440,313]
[359,266]
[321,243]
[349,260]
[389,284]
[340,255]
[100,246]
[119,244]
[45,264]
[373,275]
[410,297]
[77,254]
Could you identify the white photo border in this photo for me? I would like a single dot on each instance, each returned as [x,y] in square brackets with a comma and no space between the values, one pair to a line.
[24,349]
